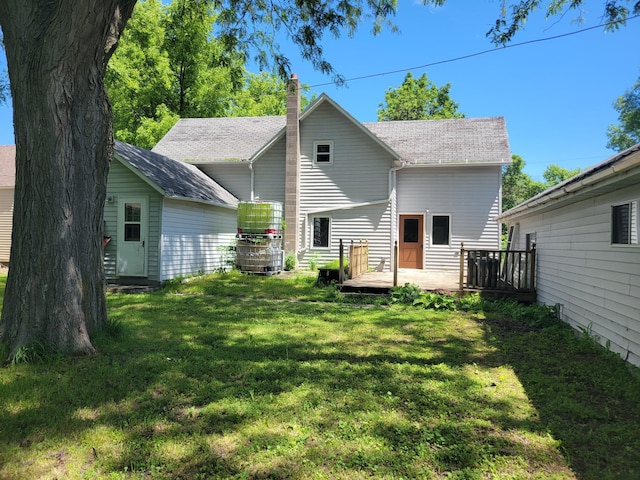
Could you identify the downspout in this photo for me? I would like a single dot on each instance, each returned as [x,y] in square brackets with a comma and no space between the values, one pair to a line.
[252,180]
[393,197]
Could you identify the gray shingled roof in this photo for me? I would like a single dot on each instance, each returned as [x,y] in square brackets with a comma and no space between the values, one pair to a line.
[176,179]
[448,141]
[7,165]
[218,139]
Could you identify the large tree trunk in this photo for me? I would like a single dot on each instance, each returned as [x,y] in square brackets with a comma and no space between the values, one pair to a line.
[57,53]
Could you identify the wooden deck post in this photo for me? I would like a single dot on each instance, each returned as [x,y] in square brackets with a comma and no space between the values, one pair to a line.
[395,264]
[353,260]
[341,263]
[532,276]
[461,266]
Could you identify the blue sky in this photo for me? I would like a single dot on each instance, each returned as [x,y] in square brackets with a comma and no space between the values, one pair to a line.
[556,96]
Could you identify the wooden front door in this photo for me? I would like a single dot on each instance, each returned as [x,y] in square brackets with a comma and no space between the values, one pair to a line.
[410,248]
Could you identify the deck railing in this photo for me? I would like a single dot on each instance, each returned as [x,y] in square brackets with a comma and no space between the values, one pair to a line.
[498,270]
[358,260]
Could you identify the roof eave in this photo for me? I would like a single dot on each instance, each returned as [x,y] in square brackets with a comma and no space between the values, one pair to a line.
[203,201]
[591,179]
[459,164]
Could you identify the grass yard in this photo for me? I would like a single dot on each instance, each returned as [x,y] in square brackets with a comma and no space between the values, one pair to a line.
[244,377]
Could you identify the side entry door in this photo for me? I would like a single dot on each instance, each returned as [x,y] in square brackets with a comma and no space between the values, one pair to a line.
[411,244]
[133,226]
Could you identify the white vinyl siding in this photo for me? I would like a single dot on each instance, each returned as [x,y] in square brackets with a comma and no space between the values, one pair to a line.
[597,284]
[358,175]
[6,223]
[371,223]
[195,238]
[235,177]
[121,183]
[469,195]
[269,174]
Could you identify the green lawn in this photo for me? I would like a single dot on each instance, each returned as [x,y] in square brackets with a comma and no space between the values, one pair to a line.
[245,377]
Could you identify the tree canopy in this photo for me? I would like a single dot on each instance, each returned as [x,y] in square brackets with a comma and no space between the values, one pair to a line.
[627,132]
[169,65]
[517,186]
[418,99]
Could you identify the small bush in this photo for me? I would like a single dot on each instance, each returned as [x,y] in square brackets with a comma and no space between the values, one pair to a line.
[435,301]
[412,294]
[313,262]
[470,303]
[406,294]
[290,262]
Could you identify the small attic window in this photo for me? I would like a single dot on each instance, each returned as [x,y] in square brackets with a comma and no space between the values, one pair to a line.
[323,152]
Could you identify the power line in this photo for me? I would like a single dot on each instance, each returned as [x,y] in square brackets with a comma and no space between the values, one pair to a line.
[476,54]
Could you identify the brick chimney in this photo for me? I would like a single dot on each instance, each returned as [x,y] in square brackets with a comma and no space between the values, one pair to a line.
[292,169]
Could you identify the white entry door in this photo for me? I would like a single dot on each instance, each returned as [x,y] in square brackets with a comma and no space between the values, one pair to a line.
[133,225]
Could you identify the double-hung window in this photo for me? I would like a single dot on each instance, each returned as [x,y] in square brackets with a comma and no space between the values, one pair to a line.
[624,223]
[323,152]
[321,232]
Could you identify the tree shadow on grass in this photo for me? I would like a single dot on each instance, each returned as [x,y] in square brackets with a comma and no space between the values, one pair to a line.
[221,388]
[587,398]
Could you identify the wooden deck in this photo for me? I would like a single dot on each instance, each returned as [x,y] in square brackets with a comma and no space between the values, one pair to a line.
[428,280]
[381,282]
[498,273]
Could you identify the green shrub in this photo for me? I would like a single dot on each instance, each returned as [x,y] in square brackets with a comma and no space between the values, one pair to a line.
[290,261]
[313,262]
[407,294]
[435,301]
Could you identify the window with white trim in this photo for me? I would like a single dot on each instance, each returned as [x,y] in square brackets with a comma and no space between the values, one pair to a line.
[441,230]
[323,152]
[624,223]
[321,232]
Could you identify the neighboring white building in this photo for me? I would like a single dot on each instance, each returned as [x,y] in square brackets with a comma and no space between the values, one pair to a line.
[429,185]
[588,250]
